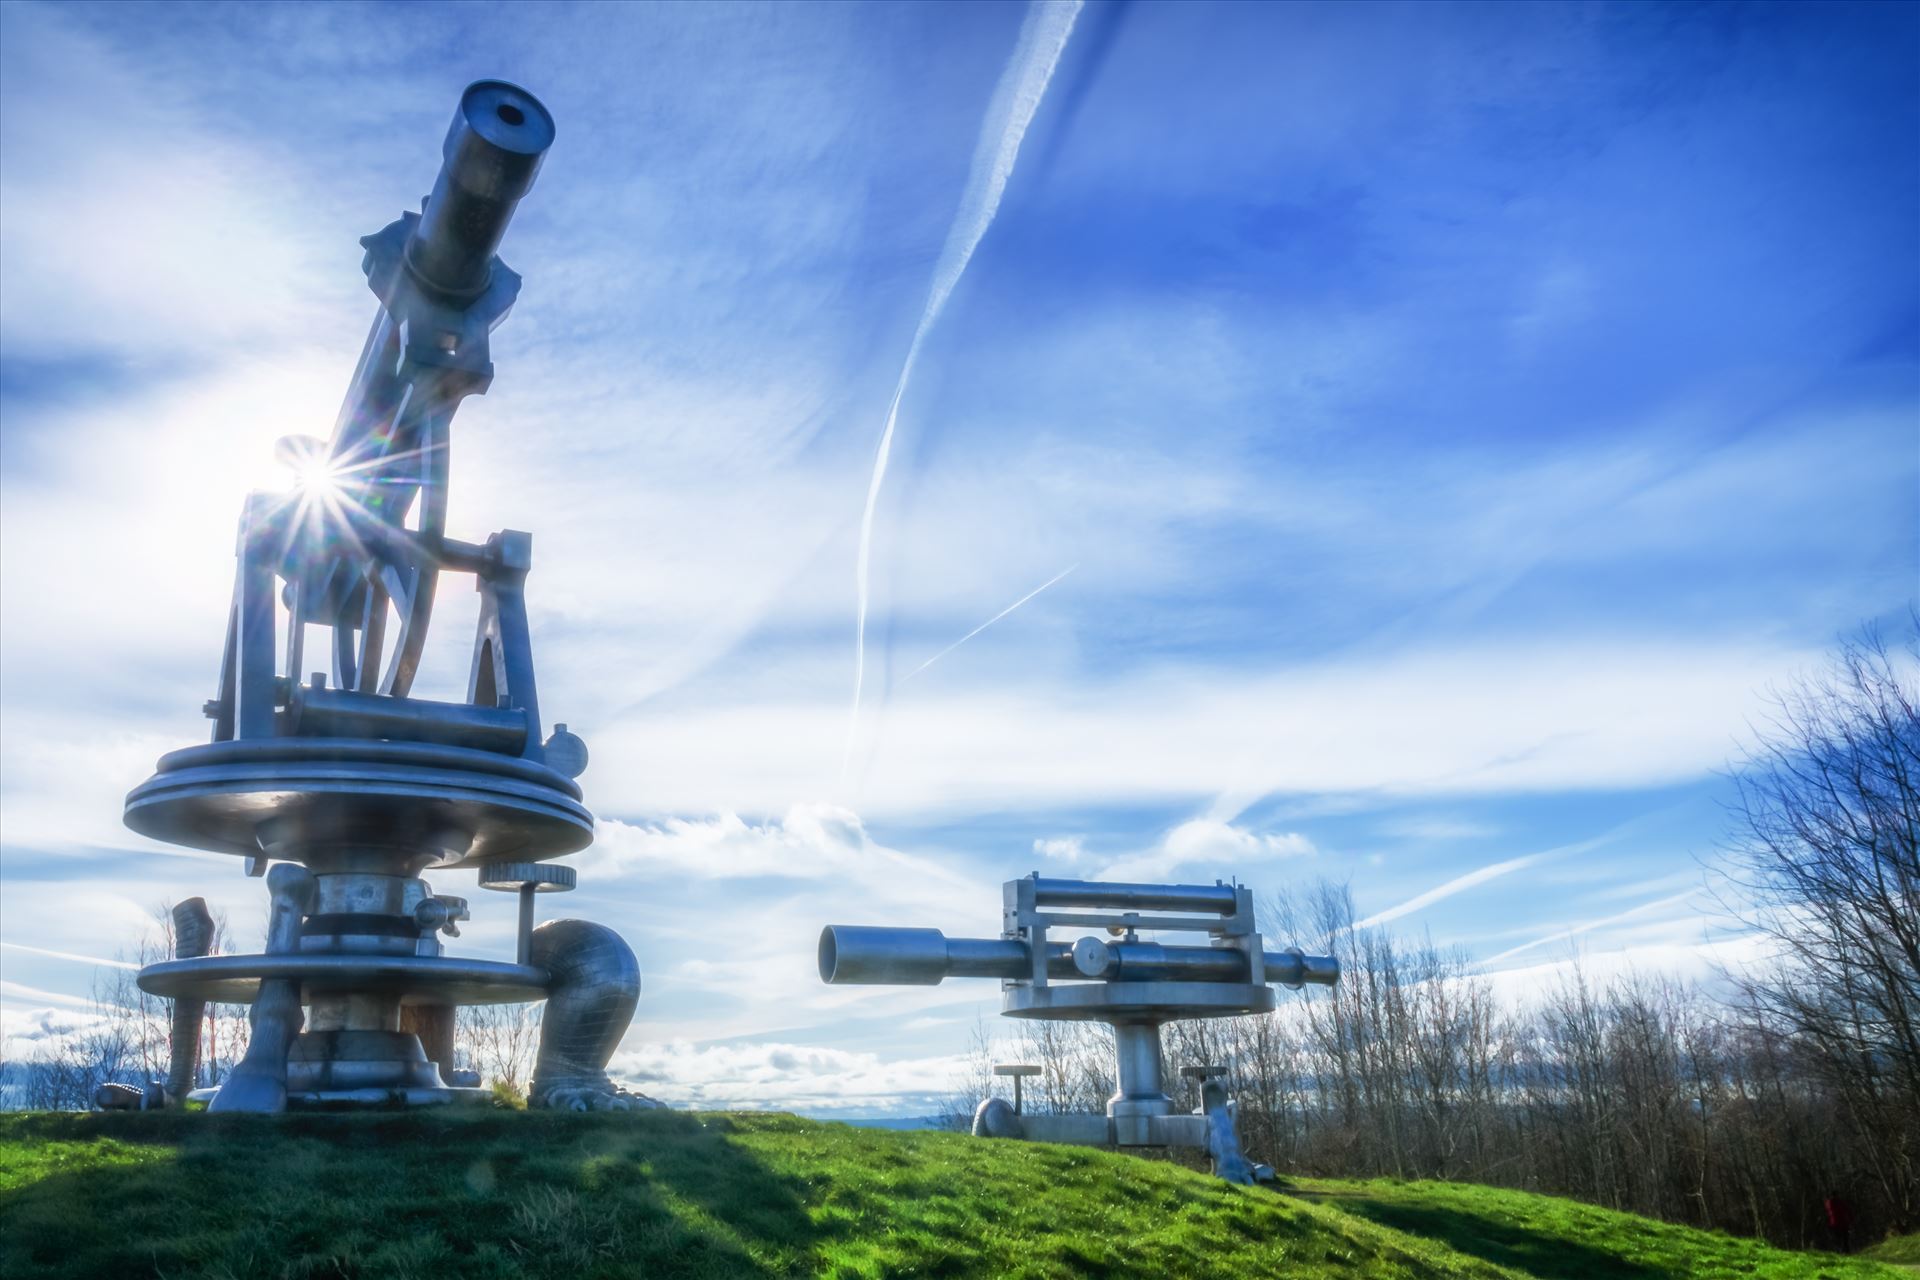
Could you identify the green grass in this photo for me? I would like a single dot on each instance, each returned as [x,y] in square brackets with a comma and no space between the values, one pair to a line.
[1557,1239]
[1900,1250]
[491,1194]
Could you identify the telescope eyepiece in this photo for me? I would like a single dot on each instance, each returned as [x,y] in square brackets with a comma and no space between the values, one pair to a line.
[497,139]
[499,135]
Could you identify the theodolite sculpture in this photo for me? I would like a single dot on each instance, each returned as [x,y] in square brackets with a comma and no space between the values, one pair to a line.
[349,787]
[1133,986]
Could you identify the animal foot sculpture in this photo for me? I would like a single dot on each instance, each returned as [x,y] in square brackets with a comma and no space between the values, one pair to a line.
[595,986]
[594,1098]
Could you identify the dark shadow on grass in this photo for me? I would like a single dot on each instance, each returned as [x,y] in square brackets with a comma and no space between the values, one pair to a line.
[1550,1257]
[474,1195]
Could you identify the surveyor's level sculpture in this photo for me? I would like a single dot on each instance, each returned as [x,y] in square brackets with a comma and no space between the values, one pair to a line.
[342,788]
[1132,985]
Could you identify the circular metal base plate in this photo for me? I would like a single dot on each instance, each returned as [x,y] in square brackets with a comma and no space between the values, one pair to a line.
[464,808]
[415,979]
[1136,1001]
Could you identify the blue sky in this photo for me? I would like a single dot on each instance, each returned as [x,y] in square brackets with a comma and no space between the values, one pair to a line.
[1449,420]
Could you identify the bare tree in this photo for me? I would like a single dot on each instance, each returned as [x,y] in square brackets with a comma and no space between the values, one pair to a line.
[1826,865]
[500,1041]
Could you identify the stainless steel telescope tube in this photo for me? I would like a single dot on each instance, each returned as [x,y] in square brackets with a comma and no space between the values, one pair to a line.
[923,957]
[492,152]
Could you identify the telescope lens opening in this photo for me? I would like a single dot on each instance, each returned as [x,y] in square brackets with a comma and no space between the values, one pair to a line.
[828,957]
[510,113]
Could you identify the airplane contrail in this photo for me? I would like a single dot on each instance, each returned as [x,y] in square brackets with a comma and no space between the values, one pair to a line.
[989,622]
[68,955]
[1043,37]
[1483,874]
[1576,930]
[1451,887]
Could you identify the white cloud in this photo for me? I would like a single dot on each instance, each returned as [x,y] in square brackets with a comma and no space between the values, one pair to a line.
[123,198]
[827,1080]
[1501,716]
[1434,828]
[1061,848]
[787,1077]
[1225,849]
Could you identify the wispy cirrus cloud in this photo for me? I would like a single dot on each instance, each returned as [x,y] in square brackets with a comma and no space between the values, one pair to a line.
[1693,894]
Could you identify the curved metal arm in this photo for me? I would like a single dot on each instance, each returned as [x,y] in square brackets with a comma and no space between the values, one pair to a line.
[596,986]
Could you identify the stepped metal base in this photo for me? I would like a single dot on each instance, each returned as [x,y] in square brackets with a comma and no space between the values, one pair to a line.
[1128,1001]
[347,1061]
[449,806]
[411,979]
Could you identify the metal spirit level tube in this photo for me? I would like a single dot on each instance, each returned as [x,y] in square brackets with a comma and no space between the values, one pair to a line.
[1218,899]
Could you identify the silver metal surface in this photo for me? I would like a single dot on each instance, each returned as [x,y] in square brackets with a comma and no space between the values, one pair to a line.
[1106,1001]
[1018,1072]
[343,713]
[413,979]
[192,937]
[492,151]
[1223,1142]
[1134,986]
[921,957]
[338,779]
[1077,1129]
[993,1118]
[259,1081]
[595,987]
[1217,898]
[438,806]
[526,879]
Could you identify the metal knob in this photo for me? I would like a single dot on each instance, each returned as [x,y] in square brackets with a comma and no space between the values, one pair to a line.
[527,879]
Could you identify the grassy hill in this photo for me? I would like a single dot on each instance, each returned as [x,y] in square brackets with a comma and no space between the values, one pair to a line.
[502,1194]
[1901,1250]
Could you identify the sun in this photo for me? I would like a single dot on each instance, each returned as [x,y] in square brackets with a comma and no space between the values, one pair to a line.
[315,478]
